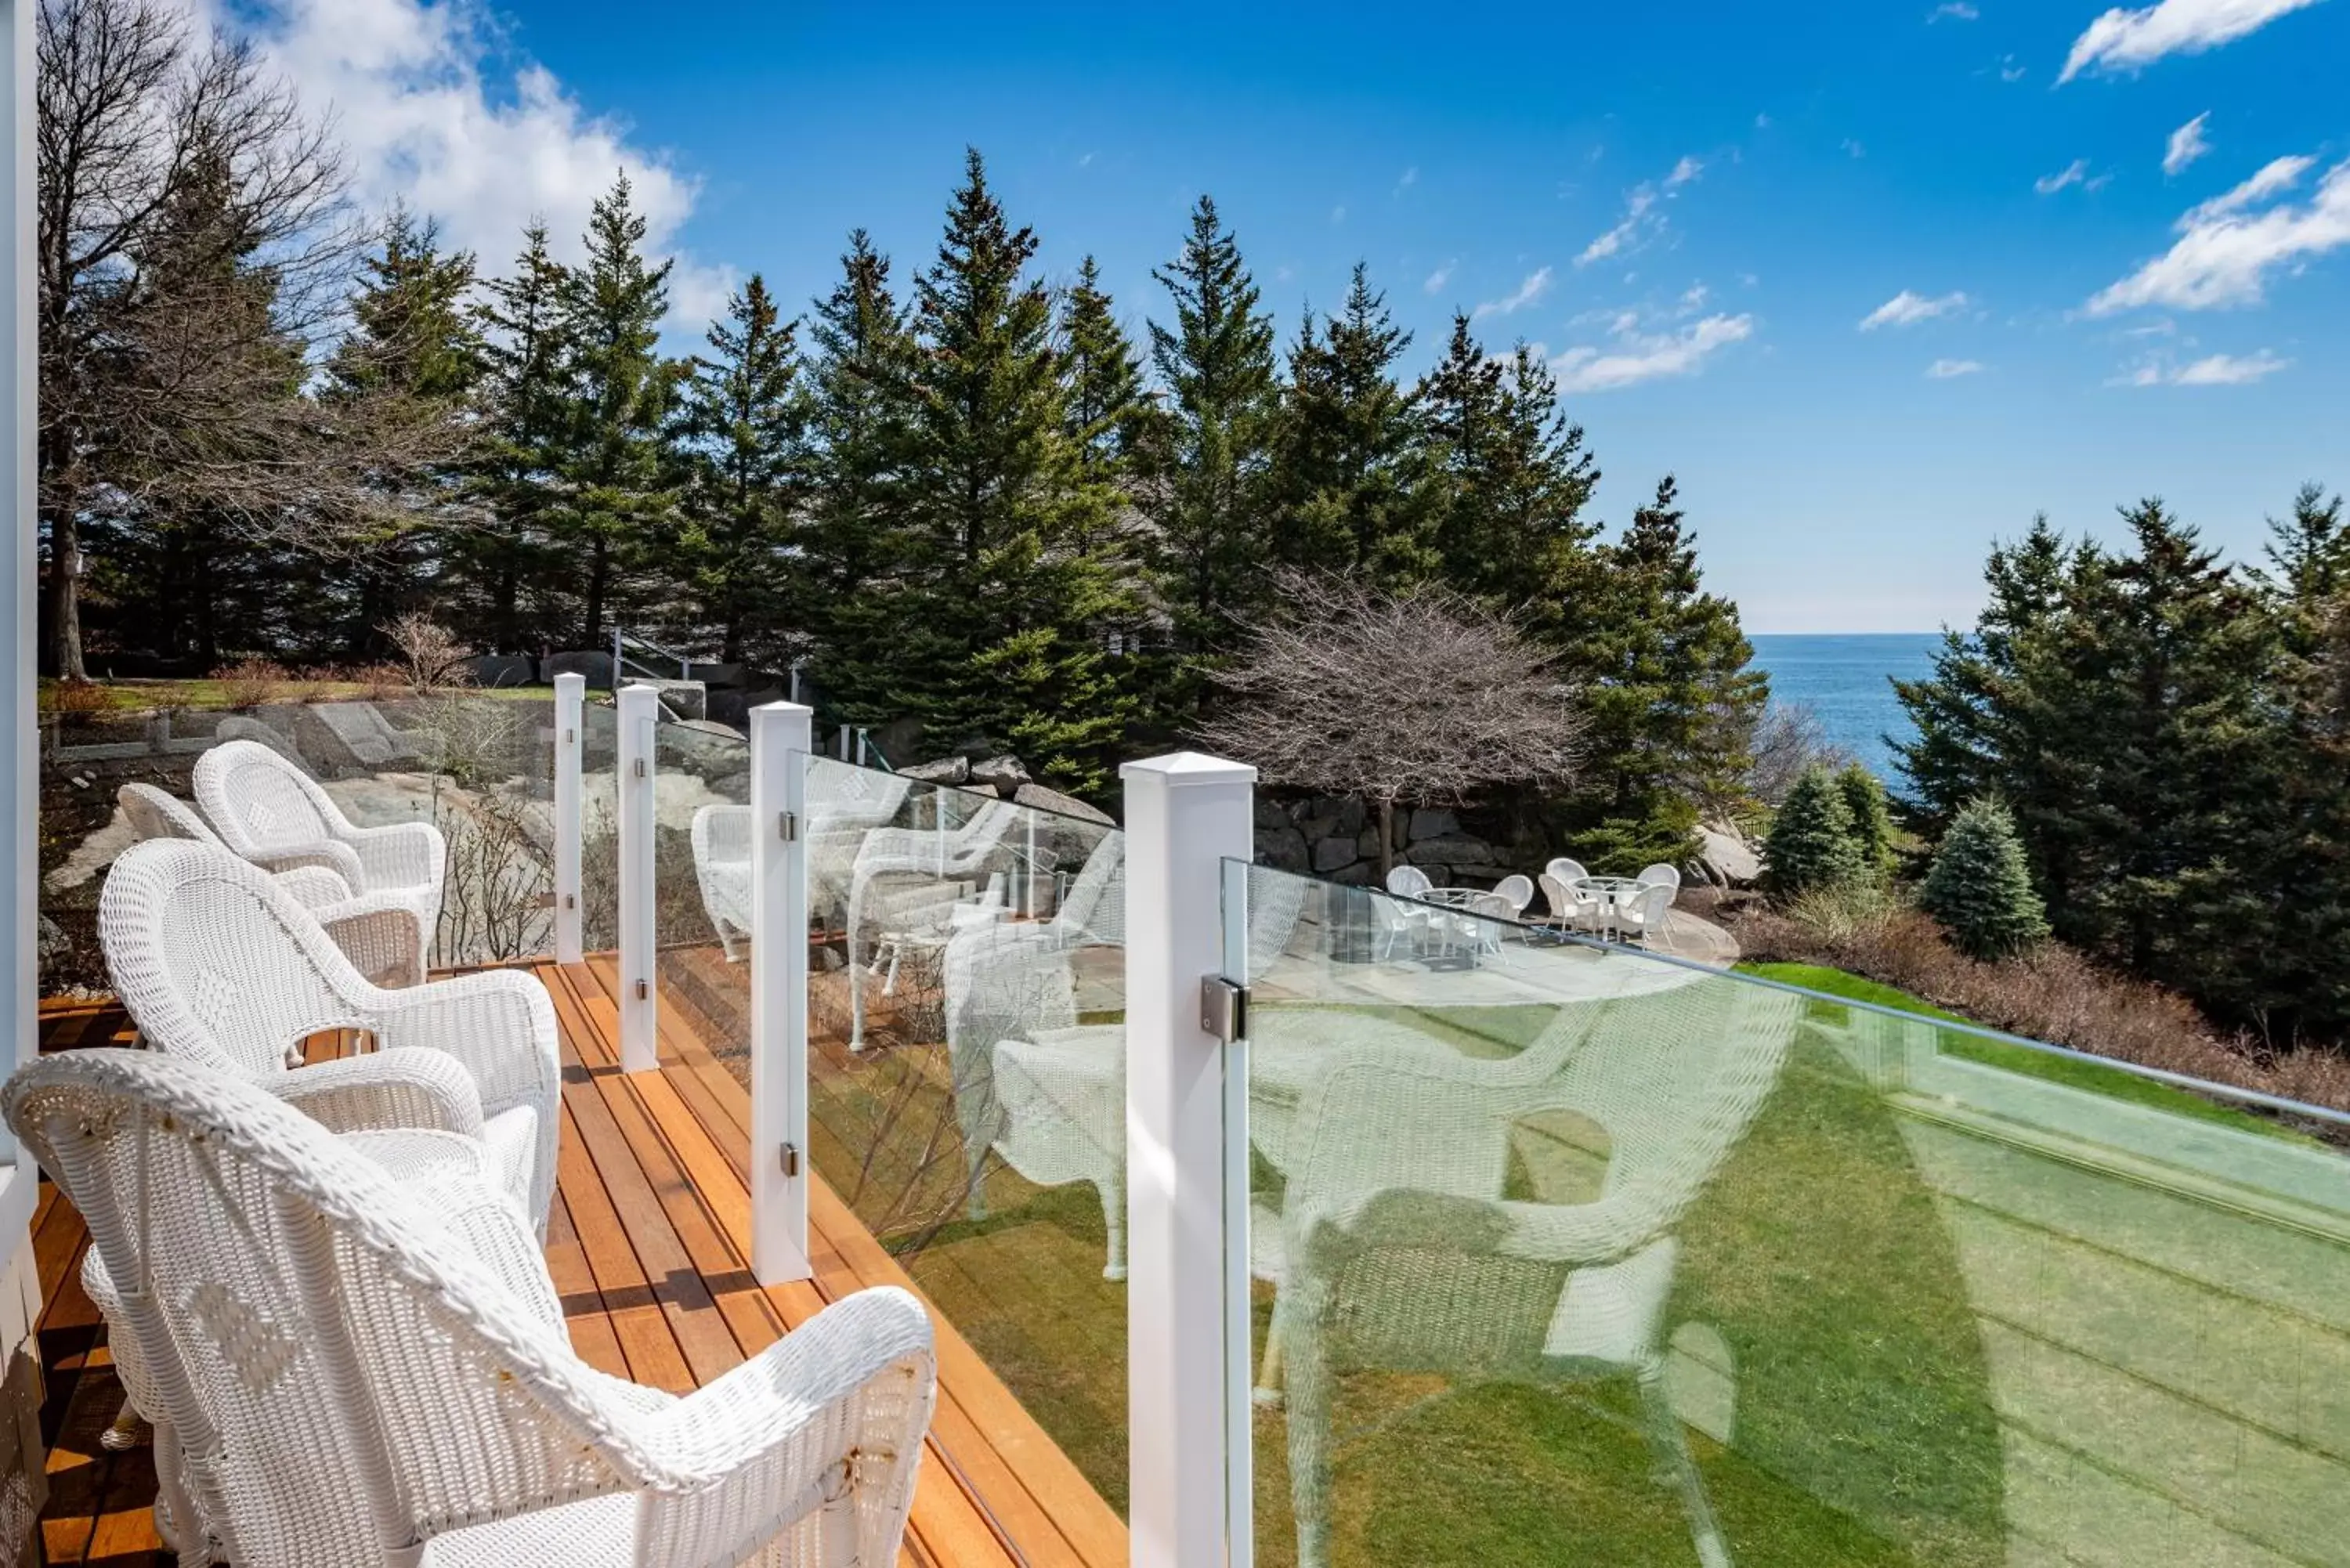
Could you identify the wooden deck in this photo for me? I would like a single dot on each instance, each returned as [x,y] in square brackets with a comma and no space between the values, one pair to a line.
[648,1245]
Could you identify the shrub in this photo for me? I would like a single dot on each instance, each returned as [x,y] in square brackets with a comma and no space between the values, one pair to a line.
[431,657]
[1872,819]
[1980,888]
[75,697]
[250,682]
[1811,844]
[1845,912]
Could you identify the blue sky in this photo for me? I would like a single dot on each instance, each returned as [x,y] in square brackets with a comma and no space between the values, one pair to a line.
[1694,210]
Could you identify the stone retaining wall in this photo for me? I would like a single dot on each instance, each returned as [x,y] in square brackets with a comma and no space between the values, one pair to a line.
[1337,839]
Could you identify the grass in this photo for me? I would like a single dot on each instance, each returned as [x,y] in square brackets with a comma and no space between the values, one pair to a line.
[2073,1071]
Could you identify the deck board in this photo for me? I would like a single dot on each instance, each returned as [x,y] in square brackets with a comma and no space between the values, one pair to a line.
[647,1243]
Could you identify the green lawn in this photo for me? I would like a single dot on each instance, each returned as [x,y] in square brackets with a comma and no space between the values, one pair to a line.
[117,696]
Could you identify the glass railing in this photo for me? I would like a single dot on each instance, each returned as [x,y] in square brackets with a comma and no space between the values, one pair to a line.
[701,892]
[1572,1253]
[967,1075]
[477,766]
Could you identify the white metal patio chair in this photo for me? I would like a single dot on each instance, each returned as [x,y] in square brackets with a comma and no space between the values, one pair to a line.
[1516,890]
[377,932]
[1640,915]
[347,1371]
[275,816]
[213,960]
[1409,882]
[1396,1250]
[1659,874]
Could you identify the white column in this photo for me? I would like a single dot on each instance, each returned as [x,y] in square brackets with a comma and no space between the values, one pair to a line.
[1184,814]
[640,999]
[570,714]
[782,733]
[20,791]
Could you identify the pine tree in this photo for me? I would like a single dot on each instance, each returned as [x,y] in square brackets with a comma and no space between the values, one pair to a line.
[997,507]
[1979,887]
[1508,480]
[1811,844]
[1349,456]
[1872,819]
[850,591]
[613,467]
[741,421]
[1103,380]
[1663,671]
[525,418]
[1208,455]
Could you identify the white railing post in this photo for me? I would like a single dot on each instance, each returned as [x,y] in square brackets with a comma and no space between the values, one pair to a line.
[570,715]
[1185,815]
[639,998]
[782,734]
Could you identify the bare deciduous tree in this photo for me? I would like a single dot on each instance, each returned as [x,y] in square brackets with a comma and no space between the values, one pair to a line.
[1788,740]
[1416,698]
[431,657]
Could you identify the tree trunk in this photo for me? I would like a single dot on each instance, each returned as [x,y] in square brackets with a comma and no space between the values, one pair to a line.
[1386,839]
[65,597]
[599,558]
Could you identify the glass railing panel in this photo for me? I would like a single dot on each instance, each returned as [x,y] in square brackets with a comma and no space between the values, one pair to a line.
[967,1074]
[701,888]
[1570,1253]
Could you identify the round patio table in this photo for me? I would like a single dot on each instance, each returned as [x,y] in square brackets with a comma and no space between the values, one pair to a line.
[1611,893]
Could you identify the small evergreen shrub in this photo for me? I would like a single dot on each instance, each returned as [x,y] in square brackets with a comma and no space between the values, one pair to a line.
[1872,819]
[1811,844]
[1980,888]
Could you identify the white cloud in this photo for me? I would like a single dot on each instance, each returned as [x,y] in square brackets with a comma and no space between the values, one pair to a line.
[1439,277]
[1636,356]
[1762,123]
[2009,71]
[2186,144]
[1338,214]
[1949,369]
[2126,40]
[1693,299]
[426,117]
[1853,149]
[2213,370]
[1410,177]
[1909,308]
[1957,10]
[1537,285]
[2076,173]
[1687,169]
[1636,208]
[2226,249]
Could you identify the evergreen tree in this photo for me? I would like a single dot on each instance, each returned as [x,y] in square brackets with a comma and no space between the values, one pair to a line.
[741,421]
[1208,456]
[1349,457]
[527,411]
[1508,480]
[2308,554]
[613,465]
[1811,844]
[414,351]
[1872,819]
[1663,671]
[1980,888]
[1103,380]
[996,506]
[848,587]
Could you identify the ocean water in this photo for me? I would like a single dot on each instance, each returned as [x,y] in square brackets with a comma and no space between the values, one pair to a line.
[1848,680]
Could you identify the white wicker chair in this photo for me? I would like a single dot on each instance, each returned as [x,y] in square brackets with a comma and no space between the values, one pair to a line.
[213,960]
[1571,907]
[1397,1250]
[1640,915]
[721,866]
[377,932]
[1659,874]
[889,859]
[275,816]
[352,1372]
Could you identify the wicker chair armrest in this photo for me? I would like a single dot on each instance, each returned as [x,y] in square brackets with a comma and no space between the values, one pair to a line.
[832,1414]
[385,1091]
[378,932]
[315,886]
[1411,1220]
[399,855]
[500,1025]
[329,853]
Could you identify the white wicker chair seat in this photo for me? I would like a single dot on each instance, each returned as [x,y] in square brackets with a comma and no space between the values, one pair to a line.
[909,876]
[275,816]
[214,959]
[1398,1251]
[351,1379]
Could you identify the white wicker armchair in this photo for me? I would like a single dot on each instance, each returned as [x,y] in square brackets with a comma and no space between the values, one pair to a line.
[378,932]
[352,1372]
[721,837]
[909,874]
[1397,1249]
[214,960]
[275,816]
